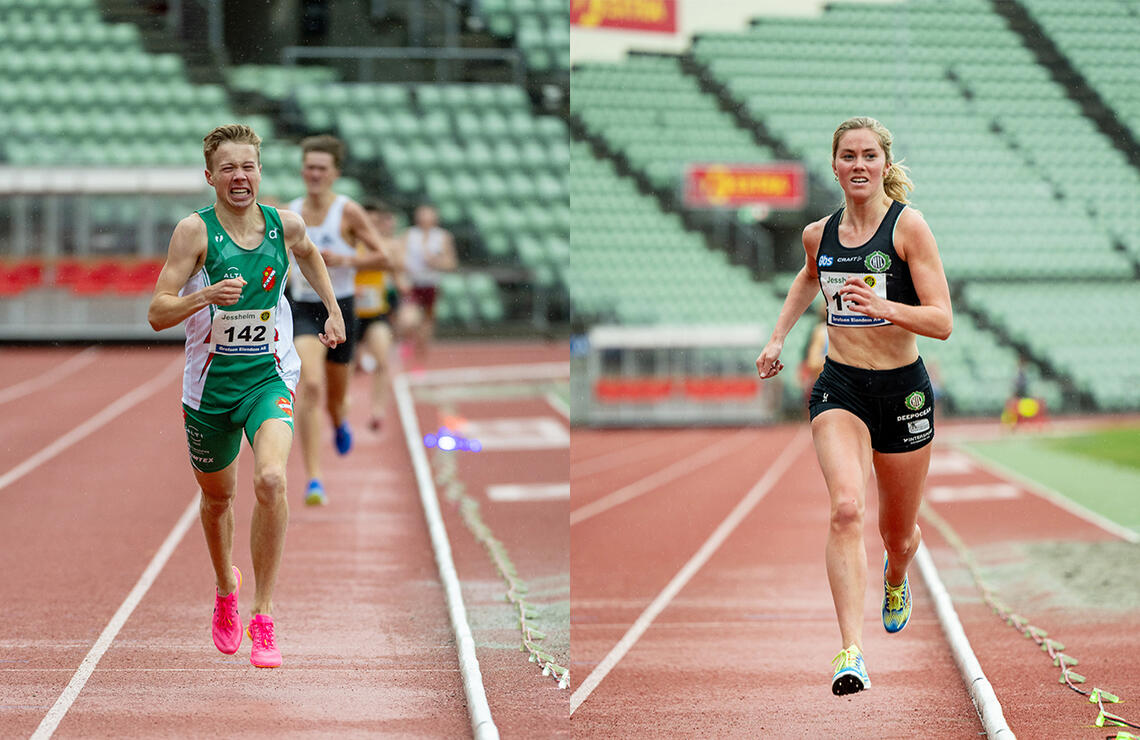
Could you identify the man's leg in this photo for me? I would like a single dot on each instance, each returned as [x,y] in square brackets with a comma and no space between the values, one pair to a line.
[217,515]
[338,379]
[271,510]
[378,339]
[310,389]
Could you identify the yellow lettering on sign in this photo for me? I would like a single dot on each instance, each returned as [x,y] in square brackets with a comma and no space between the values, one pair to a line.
[597,12]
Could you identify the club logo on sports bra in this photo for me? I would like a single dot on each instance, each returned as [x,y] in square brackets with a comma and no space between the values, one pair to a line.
[268,278]
[915,400]
[877,262]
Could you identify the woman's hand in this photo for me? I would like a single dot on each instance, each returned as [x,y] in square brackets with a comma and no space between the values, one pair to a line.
[858,297]
[768,363]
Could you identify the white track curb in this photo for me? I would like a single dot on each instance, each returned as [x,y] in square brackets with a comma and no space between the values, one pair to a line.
[482,725]
[981,692]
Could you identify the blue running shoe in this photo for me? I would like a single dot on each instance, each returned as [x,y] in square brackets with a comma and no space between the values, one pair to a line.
[343,438]
[896,602]
[315,495]
[850,673]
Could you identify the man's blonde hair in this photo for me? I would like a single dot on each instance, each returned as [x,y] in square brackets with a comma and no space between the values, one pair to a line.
[236,132]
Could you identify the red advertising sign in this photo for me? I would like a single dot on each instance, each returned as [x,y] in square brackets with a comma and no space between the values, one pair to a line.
[658,16]
[779,185]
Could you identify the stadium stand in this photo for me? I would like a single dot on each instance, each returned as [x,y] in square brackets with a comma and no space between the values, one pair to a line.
[658,116]
[83,92]
[539,29]
[978,118]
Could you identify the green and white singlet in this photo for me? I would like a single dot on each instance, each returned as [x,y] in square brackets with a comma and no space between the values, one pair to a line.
[233,350]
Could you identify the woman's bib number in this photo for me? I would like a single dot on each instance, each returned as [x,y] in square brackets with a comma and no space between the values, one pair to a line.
[838,314]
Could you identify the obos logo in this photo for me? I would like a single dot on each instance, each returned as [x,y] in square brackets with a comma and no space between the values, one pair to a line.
[231,273]
[877,262]
[268,278]
[285,405]
[825,261]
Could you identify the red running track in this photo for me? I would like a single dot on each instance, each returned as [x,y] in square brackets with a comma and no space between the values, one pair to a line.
[93,478]
[744,648]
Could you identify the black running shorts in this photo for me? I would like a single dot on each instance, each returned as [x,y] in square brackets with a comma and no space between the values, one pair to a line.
[309,317]
[896,405]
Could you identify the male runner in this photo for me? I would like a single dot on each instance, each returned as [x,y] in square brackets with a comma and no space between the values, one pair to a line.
[336,224]
[377,298]
[225,275]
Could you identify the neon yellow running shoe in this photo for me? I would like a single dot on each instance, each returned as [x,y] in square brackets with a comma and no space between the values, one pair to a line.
[850,673]
[896,602]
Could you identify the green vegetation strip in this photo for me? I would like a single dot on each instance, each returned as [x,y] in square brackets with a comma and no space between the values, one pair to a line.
[445,466]
[1040,637]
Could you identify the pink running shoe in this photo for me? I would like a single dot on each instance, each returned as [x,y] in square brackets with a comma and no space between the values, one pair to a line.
[227,623]
[265,653]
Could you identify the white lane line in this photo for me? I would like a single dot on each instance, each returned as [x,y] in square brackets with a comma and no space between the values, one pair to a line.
[981,692]
[122,404]
[490,374]
[477,707]
[52,719]
[624,455]
[1053,497]
[972,492]
[528,492]
[558,404]
[715,540]
[684,466]
[59,372]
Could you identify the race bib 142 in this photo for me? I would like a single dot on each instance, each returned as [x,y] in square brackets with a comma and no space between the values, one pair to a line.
[249,332]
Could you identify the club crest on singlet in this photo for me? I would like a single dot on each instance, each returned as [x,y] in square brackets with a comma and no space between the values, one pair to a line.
[875,263]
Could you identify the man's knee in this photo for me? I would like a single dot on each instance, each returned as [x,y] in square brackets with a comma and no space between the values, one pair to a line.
[269,483]
[217,499]
[310,386]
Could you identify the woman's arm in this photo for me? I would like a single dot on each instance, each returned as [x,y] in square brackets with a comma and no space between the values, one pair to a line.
[915,244]
[800,295]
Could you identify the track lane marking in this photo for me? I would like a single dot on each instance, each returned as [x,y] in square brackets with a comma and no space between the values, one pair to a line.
[616,458]
[489,373]
[776,471]
[513,492]
[558,404]
[682,467]
[70,692]
[59,372]
[1059,500]
[114,409]
[482,725]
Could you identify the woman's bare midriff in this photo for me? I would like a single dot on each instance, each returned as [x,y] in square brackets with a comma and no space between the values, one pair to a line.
[872,347]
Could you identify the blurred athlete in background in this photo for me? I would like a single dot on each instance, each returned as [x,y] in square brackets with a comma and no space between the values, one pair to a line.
[377,301]
[430,250]
[342,232]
